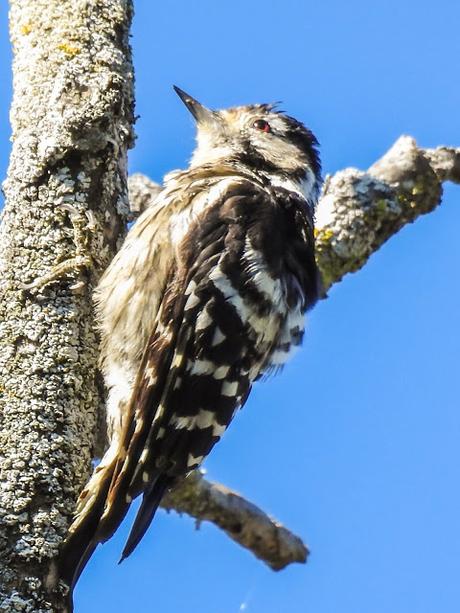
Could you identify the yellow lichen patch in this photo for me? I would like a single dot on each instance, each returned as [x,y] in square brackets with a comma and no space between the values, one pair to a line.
[26,29]
[323,235]
[7,393]
[69,49]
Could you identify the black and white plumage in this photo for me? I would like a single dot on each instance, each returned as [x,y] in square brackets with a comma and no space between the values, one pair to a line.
[207,294]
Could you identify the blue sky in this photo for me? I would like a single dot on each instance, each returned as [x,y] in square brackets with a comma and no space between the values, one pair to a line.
[356,445]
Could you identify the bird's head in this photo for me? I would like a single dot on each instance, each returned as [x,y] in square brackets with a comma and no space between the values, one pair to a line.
[259,136]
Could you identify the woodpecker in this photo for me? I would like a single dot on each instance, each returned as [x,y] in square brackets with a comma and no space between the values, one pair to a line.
[207,293]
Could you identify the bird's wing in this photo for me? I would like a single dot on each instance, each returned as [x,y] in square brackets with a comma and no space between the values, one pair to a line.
[197,368]
[210,339]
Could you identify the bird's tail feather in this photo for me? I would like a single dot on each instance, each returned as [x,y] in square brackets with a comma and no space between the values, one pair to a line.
[81,539]
[150,502]
[98,516]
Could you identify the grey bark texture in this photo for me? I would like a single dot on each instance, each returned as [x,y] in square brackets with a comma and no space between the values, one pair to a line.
[66,203]
[66,208]
[359,211]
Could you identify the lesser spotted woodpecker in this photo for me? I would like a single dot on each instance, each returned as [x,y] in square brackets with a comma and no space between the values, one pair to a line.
[207,293]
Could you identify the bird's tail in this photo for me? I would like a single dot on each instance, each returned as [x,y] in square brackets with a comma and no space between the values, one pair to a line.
[150,503]
[101,507]
[82,536]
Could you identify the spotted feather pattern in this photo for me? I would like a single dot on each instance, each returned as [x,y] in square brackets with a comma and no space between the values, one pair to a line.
[240,281]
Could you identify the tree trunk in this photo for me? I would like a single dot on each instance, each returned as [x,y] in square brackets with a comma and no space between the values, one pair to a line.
[66,204]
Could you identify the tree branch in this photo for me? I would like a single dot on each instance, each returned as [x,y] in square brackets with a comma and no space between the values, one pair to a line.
[358,211]
[142,192]
[445,161]
[240,519]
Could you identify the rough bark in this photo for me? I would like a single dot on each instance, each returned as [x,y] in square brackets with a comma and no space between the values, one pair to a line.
[359,211]
[66,203]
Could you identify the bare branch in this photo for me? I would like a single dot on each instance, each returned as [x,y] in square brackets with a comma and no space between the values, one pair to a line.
[445,161]
[142,192]
[242,521]
[357,213]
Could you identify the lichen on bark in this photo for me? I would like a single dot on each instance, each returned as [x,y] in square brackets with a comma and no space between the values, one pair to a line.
[65,209]
[358,211]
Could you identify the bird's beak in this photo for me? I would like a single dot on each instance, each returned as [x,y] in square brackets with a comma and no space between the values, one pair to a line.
[201,114]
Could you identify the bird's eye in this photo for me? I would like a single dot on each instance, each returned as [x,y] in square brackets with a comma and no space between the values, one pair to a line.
[262,125]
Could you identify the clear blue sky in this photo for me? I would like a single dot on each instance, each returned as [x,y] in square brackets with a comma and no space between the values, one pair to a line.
[356,445]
